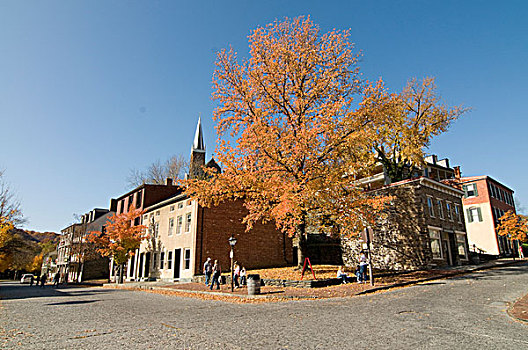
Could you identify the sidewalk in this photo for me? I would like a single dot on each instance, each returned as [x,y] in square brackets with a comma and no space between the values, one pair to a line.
[274,293]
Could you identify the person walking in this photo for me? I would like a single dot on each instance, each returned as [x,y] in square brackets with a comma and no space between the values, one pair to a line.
[236,275]
[43,279]
[208,270]
[38,281]
[56,279]
[217,272]
[31,281]
[243,276]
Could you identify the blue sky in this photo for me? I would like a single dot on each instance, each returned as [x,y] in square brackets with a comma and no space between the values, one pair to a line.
[90,90]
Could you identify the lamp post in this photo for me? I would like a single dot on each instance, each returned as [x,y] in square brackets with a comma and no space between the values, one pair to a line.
[232,241]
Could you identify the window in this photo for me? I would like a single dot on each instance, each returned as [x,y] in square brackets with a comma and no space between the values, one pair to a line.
[158,213]
[179,222]
[162,260]
[171,226]
[470,190]
[138,199]
[171,208]
[180,205]
[189,202]
[448,211]
[461,245]
[434,236]
[169,260]
[474,214]
[188,222]
[440,208]
[154,260]
[430,206]
[187,257]
[156,229]
[457,213]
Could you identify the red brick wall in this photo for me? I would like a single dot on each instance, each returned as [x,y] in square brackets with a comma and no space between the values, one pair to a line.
[483,194]
[262,246]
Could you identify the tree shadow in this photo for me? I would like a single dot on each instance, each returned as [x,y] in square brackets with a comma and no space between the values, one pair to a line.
[75,302]
[14,290]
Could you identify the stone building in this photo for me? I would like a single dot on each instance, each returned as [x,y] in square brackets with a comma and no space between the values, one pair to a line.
[422,227]
[184,234]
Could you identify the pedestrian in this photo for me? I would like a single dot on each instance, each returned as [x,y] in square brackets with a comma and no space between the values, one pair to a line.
[243,276]
[208,270]
[217,273]
[362,268]
[31,280]
[38,281]
[236,275]
[56,279]
[43,280]
[342,275]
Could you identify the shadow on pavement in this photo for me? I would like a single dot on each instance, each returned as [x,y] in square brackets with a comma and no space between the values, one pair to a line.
[10,290]
[75,302]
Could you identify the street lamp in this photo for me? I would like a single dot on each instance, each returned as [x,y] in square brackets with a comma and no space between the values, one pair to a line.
[232,241]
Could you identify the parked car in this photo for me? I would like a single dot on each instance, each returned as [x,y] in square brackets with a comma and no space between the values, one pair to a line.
[26,278]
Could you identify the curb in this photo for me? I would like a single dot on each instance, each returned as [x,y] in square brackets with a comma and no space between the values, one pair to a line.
[441,276]
[368,291]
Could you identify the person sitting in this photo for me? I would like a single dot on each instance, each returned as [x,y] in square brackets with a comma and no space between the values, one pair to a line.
[342,275]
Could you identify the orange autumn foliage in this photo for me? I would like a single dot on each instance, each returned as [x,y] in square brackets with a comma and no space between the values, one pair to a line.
[513,226]
[120,238]
[403,124]
[289,140]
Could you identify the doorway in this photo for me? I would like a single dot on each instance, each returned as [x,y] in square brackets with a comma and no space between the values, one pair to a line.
[177,260]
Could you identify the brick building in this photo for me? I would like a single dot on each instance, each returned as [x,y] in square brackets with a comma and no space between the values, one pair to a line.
[184,234]
[140,197]
[485,201]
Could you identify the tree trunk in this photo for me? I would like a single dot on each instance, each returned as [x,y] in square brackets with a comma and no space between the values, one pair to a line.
[301,244]
[120,279]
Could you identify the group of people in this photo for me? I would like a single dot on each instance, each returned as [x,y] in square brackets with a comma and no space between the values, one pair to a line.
[213,274]
[41,280]
[361,271]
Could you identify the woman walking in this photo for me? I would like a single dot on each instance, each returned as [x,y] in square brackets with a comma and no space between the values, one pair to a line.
[217,272]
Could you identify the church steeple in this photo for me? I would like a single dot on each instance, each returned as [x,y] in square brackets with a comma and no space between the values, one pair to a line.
[198,144]
[197,154]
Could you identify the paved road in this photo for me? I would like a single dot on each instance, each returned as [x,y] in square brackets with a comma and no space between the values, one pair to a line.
[466,312]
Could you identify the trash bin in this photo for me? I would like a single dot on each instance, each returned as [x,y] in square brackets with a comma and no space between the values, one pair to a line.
[253,284]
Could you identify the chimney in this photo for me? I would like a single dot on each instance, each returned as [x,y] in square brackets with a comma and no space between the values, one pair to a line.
[457,172]
[168,181]
[113,205]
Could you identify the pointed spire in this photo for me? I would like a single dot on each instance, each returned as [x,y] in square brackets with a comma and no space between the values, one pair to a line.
[198,144]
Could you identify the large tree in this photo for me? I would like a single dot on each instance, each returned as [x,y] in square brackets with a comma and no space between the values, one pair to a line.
[290,141]
[10,208]
[120,238]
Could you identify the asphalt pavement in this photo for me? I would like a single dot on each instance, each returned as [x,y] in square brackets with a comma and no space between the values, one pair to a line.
[467,312]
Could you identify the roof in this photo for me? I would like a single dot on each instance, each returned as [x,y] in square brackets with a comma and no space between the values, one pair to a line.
[482,177]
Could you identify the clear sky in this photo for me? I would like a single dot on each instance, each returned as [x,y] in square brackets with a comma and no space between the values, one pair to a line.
[92,89]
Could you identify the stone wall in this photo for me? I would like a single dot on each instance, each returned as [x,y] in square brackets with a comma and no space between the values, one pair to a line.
[401,237]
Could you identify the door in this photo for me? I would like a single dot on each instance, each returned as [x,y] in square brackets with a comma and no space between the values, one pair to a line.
[147,264]
[140,262]
[177,261]
[446,248]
